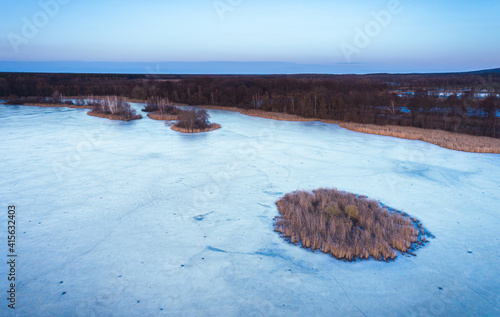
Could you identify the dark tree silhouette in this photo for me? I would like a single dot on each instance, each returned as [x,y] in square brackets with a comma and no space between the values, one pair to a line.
[405,100]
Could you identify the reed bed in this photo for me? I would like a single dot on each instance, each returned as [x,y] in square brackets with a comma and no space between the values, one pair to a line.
[211,127]
[449,140]
[45,105]
[113,116]
[347,226]
[263,114]
[156,115]
[81,107]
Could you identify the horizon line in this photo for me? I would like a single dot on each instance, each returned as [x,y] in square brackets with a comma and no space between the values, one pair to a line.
[208,68]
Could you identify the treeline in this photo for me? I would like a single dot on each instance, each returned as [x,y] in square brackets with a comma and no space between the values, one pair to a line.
[405,100]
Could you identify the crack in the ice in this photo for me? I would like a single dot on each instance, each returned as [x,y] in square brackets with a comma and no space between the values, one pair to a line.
[482,296]
[348,298]
[91,249]
[345,293]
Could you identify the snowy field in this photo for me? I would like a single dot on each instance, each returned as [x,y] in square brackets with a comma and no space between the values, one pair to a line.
[134,219]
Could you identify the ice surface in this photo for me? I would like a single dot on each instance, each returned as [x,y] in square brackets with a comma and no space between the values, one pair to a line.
[134,219]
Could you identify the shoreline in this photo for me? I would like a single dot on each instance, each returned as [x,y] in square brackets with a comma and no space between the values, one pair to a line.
[79,107]
[263,114]
[112,116]
[43,105]
[48,105]
[445,139]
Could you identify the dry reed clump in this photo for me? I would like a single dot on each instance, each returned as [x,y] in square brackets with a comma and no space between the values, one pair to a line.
[112,116]
[44,105]
[80,107]
[347,226]
[211,127]
[449,140]
[156,115]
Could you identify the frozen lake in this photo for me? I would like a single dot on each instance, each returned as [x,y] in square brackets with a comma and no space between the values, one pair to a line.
[134,219]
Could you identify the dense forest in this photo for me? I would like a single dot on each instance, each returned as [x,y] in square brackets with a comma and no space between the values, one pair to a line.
[459,102]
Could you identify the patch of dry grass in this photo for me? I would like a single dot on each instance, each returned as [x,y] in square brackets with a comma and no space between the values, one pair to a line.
[44,105]
[347,226]
[449,140]
[59,105]
[263,114]
[211,127]
[80,107]
[156,115]
[113,116]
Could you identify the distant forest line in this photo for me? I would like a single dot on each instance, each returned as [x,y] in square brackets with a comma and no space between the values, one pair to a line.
[457,102]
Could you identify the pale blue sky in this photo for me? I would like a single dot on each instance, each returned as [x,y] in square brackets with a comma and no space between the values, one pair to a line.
[425,36]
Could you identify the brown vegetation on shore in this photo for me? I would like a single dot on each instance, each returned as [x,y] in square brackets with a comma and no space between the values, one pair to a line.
[263,114]
[211,127]
[112,116]
[156,115]
[53,105]
[347,226]
[44,105]
[449,140]
[113,108]
[80,107]
[56,101]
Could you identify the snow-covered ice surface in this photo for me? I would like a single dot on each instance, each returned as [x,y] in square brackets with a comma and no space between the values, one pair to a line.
[134,219]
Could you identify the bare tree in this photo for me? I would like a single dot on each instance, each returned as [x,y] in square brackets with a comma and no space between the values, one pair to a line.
[193,119]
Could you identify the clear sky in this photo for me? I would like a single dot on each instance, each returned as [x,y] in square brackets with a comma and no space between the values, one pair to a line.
[321,35]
